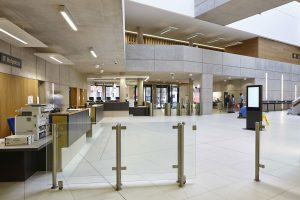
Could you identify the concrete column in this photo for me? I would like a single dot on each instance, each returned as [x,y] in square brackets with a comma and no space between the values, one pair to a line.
[140,37]
[154,94]
[140,88]
[122,89]
[206,93]
[191,84]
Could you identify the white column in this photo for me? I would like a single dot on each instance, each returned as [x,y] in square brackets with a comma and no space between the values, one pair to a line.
[191,84]
[122,89]
[206,93]
[140,88]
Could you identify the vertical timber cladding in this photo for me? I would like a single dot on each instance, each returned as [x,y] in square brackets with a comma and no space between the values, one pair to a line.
[14,91]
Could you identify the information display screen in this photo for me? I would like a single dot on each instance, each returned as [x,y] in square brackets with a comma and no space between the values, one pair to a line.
[253,97]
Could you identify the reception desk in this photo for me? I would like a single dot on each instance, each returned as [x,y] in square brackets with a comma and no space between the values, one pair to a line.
[276,105]
[115,109]
[72,127]
[20,162]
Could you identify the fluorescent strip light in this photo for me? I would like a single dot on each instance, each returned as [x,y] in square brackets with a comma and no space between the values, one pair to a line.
[170,28]
[11,35]
[195,35]
[56,59]
[233,44]
[281,87]
[67,16]
[296,88]
[147,79]
[266,85]
[93,52]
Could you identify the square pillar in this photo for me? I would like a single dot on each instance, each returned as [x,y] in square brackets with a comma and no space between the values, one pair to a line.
[206,93]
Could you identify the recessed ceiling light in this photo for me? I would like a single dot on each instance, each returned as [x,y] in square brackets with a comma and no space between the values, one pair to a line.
[68,17]
[245,79]
[172,73]
[229,77]
[225,80]
[11,35]
[97,66]
[173,77]
[101,71]
[92,51]
[53,58]
[158,79]
[190,74]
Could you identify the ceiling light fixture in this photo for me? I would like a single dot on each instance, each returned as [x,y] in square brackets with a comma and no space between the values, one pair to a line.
[229,77]
[194,36]
[97,66]
[233,44]
[92,51]
[101,71]
[190,75]
[11,35]
[147,79]
[215,40]
[68,17]
[168,29]
[53,58]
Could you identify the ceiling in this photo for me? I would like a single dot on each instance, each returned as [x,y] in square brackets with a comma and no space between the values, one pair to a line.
[100,24]
[154,20]
[235,10]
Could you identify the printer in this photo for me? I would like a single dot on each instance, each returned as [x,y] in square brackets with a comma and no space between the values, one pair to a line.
[33,120]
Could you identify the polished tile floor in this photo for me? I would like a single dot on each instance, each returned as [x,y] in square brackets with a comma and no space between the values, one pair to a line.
[219,162]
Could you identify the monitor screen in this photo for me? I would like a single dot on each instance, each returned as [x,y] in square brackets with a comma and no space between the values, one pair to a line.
[253,97]
[98,98]
[91,98]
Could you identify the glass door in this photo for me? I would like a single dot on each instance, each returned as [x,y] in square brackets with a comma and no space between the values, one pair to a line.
[174,95]
[161,96]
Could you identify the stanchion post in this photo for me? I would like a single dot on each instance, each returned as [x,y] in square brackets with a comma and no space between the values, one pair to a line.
[118,167]
[258,126]
[54,156]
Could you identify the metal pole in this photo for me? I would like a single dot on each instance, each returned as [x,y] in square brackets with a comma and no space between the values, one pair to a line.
[54,157]
[258,126]
[181,153]
[118,167]
[181,179]
[118,156]
[178,109]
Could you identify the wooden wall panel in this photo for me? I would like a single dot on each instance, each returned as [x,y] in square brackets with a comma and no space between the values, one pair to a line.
[248,48]
[73,97]
[14,91]
[267,49]
[273,50]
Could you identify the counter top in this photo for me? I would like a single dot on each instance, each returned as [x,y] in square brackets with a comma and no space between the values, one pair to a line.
[37,145]
[69,112]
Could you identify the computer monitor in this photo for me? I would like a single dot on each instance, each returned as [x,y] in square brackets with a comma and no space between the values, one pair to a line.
[108,98]
[99,99]
[91,98]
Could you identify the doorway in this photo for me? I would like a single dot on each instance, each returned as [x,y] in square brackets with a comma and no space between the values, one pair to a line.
[161,96]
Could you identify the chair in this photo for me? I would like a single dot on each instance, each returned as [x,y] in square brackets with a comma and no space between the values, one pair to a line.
[11,124]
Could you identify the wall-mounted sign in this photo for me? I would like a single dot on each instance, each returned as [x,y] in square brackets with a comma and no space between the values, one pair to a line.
[10,60]
[296,56]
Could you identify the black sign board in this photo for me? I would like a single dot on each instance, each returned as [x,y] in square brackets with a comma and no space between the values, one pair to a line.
[296,56]
[10,60]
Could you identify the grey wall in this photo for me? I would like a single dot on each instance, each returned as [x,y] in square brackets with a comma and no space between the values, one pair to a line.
[62,76]
[160,58]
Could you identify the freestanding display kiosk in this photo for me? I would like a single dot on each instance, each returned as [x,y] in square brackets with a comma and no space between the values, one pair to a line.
[254,105]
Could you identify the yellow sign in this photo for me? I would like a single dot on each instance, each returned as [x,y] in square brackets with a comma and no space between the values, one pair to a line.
[265,119]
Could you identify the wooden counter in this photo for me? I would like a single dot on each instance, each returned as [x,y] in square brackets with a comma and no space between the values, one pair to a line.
[96,113]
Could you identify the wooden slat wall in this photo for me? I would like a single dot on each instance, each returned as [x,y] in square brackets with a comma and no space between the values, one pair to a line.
[248,48]
[14,91]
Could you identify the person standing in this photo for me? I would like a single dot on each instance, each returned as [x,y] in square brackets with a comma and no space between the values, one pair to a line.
[241,100]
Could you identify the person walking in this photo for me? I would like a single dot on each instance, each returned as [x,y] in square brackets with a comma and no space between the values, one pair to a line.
[241,100]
